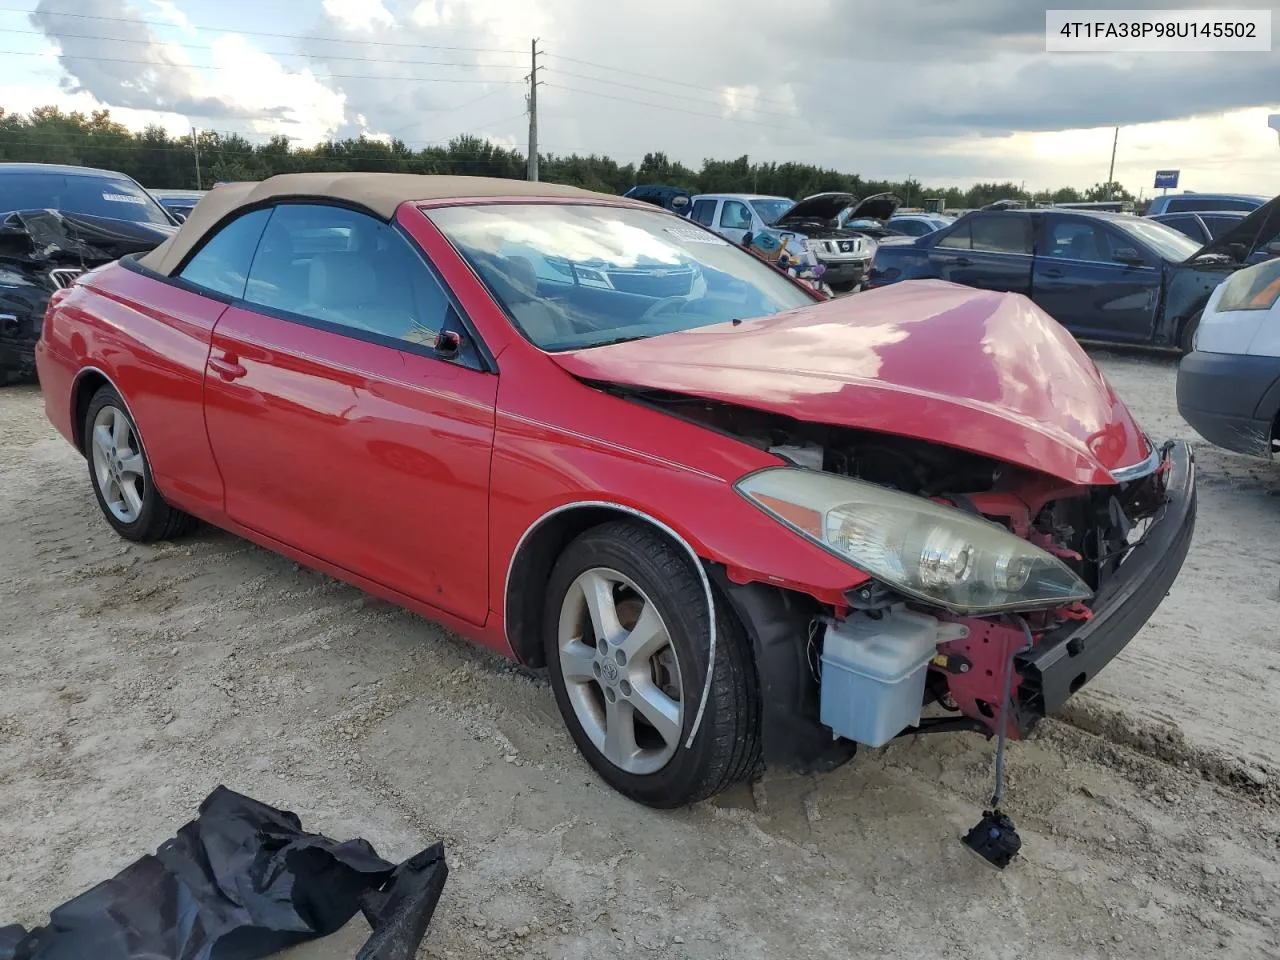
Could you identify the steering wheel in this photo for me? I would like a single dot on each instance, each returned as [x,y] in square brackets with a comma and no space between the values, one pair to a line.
[664,306]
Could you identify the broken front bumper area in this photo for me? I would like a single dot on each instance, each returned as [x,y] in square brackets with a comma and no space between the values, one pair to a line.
[1067,658]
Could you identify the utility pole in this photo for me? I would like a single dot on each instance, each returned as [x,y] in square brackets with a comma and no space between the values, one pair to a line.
[195,148]
[1111,174]
[532,100]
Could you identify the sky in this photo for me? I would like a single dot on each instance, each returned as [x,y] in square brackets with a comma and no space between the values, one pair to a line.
[944,91]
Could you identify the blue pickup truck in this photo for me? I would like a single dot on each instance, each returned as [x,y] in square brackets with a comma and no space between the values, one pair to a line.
[1103,276]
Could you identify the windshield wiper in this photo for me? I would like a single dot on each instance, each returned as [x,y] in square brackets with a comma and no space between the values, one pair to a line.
[617,340]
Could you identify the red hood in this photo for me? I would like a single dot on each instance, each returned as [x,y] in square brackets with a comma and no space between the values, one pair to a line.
[983,371]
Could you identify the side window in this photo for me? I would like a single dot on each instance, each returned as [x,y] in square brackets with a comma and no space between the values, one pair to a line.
[1178,206]
[1081,240]
[222,264]
[735,216]
[1219,225]
[704,211]
[959,238]
[1185,223]
[1003,233]
[347,269]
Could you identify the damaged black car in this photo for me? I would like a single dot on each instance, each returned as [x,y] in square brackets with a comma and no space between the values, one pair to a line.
[57,222]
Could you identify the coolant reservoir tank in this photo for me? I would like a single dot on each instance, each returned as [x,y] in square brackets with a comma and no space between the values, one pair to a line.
[873,673]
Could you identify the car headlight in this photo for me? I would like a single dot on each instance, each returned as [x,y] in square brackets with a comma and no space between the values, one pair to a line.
[817,246]
[923,549]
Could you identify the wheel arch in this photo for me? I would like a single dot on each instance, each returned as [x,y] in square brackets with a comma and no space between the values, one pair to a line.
[536,552]
[88,381]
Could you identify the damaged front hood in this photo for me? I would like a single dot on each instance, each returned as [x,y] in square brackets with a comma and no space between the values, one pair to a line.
[1250,235]
[880,206]
[824,207]
[54,236]
[972,369]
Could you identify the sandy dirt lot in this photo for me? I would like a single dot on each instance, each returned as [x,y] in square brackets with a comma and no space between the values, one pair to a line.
[135,679]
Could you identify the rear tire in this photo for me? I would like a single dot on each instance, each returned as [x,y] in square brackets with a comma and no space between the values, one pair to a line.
[1186,341]
[652,663]
[120,474]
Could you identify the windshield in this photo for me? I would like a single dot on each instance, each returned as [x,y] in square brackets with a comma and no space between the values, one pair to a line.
[79,193]
[771,211]
[1166,241]
[579,275]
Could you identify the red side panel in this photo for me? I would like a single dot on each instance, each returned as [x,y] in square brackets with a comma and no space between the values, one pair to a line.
[152,340]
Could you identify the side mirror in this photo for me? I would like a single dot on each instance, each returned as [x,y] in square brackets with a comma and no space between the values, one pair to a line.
[448,344]
[1273,248]
[1127,255]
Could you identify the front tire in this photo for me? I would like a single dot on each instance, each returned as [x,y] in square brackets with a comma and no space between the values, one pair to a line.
[626,636]
[844,286]
[1187,340]
[121,474]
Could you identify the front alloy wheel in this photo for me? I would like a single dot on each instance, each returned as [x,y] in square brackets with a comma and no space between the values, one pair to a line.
[621,672]
[626,635]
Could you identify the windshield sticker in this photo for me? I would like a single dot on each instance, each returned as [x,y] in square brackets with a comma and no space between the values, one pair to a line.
[124,198]
[693,235]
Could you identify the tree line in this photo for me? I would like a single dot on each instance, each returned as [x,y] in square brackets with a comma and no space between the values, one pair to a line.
[157,160]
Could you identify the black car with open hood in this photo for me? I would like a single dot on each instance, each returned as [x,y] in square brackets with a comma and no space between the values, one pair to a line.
[1253,234]
[57,222]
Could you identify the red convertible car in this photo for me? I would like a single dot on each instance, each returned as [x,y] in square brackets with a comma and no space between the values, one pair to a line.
[736,523]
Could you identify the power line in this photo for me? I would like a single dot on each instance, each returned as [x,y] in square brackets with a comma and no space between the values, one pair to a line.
[660,93]
[660,106]
[184,66]
[650,76]
[271,53]
[260,33]
[436,114]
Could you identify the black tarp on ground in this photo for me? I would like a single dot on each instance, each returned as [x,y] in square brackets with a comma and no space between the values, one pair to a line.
[241,881]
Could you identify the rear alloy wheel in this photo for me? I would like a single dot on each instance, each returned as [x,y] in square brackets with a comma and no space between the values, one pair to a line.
[626,637]
[121,475]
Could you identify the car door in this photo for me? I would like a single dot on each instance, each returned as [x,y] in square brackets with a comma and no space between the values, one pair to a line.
[1080,282]
[990,251]
[338,428]
[735,221]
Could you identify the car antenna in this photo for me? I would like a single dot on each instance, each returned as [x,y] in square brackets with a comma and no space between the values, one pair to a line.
[995,839]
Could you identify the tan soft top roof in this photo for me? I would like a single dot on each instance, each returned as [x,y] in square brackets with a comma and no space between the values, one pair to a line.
[380,193]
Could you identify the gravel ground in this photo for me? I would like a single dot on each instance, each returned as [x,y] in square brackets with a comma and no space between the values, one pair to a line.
[135,679]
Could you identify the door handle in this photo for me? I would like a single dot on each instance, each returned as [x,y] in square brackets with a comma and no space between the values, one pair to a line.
[1052,273]
[963,262]
[227,367]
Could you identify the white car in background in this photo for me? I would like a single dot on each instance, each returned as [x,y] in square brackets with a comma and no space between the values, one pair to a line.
[1229,384]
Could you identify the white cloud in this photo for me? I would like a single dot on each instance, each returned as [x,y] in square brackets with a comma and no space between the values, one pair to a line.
[166,10]
[258,82]
[858,85]
[359,14]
